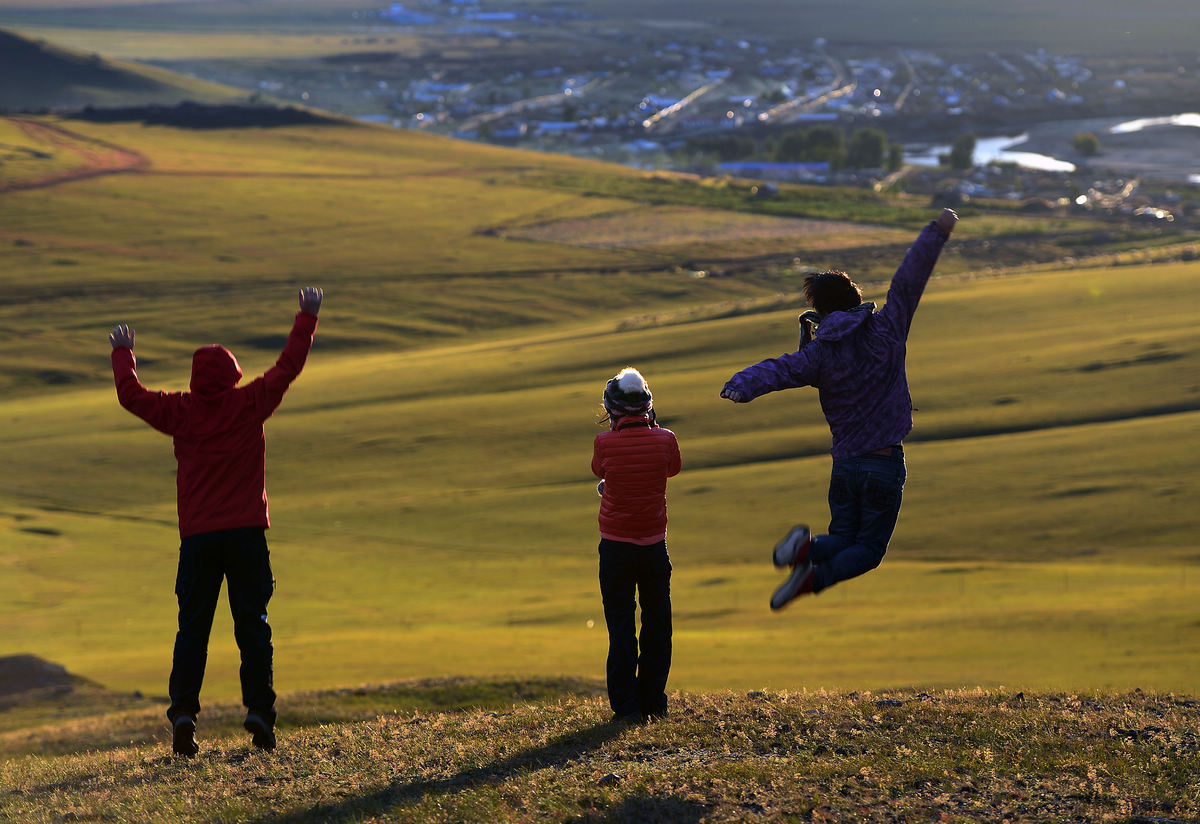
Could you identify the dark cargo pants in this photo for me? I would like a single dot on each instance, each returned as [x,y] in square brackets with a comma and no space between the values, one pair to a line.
[637,678]
[239,556]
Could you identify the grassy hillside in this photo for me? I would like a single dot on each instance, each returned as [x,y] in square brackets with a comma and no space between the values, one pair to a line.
[40,76]
[544,751]
[434,513]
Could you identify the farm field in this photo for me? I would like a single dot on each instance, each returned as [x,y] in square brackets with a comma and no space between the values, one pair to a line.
[434,513]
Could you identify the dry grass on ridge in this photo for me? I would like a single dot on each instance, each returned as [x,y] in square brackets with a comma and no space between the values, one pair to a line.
[958,755]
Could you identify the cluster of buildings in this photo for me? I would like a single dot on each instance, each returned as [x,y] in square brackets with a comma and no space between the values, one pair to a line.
[640,96]
[556,81]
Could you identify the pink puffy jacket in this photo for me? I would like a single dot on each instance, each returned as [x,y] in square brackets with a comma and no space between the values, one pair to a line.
[635,458]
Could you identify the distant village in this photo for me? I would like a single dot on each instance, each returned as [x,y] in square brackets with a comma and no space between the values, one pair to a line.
[713,104]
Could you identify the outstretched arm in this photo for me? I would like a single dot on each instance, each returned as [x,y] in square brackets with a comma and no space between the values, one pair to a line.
[789,371]
[155,408]
[269,389]
[908,284]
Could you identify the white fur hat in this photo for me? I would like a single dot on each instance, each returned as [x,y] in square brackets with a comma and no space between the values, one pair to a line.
[627,394]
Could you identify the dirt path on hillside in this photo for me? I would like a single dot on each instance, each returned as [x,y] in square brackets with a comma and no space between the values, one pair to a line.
[98,157]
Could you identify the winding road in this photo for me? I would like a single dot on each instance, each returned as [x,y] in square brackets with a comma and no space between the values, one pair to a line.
[97,157]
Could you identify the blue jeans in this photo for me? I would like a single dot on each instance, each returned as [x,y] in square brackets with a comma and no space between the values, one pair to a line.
[637,680]
[239,556]
[864,502]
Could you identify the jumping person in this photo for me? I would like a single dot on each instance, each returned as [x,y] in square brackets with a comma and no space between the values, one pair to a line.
[633,459]
[856,362]
[220,447]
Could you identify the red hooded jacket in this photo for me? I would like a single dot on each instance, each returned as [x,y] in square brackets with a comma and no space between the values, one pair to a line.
[218,429]
[635,458]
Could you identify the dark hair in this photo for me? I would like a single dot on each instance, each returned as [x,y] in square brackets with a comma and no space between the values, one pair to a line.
[832,291]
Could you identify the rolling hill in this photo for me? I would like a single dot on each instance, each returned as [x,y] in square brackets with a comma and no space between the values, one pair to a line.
[39,76]
[440,517]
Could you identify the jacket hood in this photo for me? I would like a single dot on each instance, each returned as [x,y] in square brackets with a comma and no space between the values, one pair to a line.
[214,369]
[838,325]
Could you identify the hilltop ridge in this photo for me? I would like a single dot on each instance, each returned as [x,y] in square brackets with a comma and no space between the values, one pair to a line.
[548,752]
[40,76]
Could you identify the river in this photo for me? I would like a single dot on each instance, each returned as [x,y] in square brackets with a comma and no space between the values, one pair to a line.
[1005,148]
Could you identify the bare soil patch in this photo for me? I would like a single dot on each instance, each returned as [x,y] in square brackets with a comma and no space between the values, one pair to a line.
[22,673]
[671,227]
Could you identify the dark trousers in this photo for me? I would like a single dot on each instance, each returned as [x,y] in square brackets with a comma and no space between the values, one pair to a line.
[864,502]
[239,556]
[637,680]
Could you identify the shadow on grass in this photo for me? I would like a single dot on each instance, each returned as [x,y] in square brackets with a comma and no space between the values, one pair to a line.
[650,810]
[554,753]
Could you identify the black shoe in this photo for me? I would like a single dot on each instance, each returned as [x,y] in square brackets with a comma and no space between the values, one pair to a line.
[262,735]
[628,720]
[183,737]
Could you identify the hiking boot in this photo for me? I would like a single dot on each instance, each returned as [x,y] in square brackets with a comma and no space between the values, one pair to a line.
[183,736]
[798,583]
[793,549]
[262,735]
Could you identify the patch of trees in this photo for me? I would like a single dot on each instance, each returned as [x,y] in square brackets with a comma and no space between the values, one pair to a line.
[189,115]
[962,152]
[1086,143]
[864,148]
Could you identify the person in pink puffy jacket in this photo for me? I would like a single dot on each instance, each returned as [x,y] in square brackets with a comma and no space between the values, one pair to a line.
[633,459]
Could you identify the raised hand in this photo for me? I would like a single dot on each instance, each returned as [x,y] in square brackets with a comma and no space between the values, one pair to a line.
[310,299]
[732,394]
[121,336]
[946,220]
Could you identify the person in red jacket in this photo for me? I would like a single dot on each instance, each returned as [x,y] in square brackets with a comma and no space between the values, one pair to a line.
[220,448]
[633,459]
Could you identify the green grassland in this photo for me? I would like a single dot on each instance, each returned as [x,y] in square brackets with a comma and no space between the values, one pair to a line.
[543,750]
[433,510]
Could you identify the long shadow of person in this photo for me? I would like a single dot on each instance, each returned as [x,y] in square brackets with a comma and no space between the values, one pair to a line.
[558,751]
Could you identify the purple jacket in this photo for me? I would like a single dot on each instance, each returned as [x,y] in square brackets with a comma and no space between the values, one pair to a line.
[856,361]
